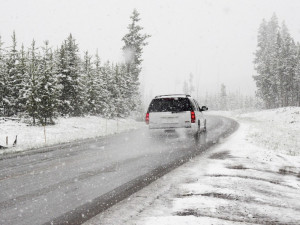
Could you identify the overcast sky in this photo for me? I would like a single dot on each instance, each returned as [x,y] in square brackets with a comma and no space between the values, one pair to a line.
[213,40]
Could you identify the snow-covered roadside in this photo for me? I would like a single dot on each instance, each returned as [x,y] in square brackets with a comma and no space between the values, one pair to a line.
[243,180]
[65,130]
[275,129]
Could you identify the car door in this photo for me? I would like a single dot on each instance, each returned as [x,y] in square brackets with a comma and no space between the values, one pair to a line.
[199,114]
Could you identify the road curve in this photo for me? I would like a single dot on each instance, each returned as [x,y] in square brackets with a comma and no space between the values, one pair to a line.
[71,183]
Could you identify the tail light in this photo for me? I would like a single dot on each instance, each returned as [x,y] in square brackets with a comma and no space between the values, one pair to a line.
[147,118]
[193,117]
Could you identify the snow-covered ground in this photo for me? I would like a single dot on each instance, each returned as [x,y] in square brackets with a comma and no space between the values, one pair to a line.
[252,177]
[65,130]
[276,129]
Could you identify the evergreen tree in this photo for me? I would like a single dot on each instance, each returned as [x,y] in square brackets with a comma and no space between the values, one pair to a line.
[71,99]
[271,78]
[115,91]
[100,86]
[289,56]
[32,96]
[119,90]
[48,90]
[3,78]
[124,88]
[60,71]
[24,79]
[108,79]
[260,61]
[134,41]
[13,80]
[297,77]
[45,84]
[276,62]
[91,94]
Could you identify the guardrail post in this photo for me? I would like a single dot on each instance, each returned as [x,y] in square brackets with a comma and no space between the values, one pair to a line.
[6,140]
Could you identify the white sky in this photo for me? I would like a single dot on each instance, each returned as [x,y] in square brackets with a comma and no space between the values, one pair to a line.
[214,40]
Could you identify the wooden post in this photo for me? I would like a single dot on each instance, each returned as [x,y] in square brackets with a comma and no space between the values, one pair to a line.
[45,134]
[15,142]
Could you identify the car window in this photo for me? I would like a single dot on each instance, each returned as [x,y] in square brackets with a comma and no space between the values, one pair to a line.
[193,104]
[196,104]
[170,105]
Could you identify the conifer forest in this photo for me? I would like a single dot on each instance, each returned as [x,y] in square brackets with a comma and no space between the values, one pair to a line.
[43,82]
[277,62]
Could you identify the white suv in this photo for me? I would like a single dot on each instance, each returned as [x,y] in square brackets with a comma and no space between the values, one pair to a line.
[170,112]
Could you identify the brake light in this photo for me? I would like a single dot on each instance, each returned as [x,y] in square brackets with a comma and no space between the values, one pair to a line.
[193,117]
[147,118]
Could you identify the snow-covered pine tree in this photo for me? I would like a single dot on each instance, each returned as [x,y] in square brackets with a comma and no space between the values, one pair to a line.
[120,90]
[276,64]
[71,98]
[108,79]
[13,80]
[273,29]
[124,86]
[297,77]
[90,82]
[288,58]
[294,82]
[100,87]
[48,90]
[24,77]
[279,72]
[115,91]
[61,73]
[266,62]
[32,97]
[260,62]
[134,42]
[3,78]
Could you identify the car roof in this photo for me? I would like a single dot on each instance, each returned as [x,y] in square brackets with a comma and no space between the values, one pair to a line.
[173,96]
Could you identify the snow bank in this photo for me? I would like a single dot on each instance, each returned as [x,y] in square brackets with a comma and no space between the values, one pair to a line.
[275,129]
[65,130]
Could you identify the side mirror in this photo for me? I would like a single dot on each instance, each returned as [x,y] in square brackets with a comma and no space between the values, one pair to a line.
[203,108]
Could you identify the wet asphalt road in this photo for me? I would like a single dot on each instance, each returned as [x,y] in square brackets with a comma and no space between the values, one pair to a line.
[71,183]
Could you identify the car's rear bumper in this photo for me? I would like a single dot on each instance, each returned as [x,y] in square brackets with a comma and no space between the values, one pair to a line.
[187,127]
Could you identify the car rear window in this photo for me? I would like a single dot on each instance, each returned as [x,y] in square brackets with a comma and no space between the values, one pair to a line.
[170,105]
